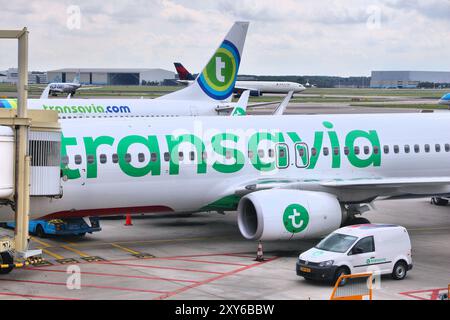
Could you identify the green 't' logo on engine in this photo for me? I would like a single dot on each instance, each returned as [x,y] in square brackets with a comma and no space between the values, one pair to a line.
[295,218]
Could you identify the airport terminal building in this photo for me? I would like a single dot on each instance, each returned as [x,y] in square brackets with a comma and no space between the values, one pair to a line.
[407,79]
[107,77]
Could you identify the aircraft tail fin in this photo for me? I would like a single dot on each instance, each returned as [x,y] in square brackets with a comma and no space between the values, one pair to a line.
[217,79]
[183,74]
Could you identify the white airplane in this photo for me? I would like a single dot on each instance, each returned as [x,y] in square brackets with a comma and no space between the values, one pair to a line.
[257,88]
[445,99]
[223,65]
[56,88]
[289,177]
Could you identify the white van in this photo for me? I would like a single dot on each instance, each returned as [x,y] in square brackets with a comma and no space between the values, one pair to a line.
[357,249]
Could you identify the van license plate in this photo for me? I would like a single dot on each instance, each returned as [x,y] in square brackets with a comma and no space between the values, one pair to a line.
[305,269]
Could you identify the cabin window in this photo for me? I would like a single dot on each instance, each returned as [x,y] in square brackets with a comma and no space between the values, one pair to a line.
[313,152]
[437,147]
[326,151]
[166,156]
[427,148]
[115,158]
[103,158]
[90,159]
[366,150]
[271,153]
[356,150]
[416,148]
[78,159]
[376,150]
[346,151]
[261,153]
[407,148]
[204,155]
[250,154]
[141,157]
[447,147]
[127,157]
[386,149]
[153,157]
[336,151]
[301,152]
[396,149]
[192,155]
[180,156]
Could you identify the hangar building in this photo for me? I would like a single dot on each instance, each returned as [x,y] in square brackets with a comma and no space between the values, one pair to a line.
[110,76]
[406,79]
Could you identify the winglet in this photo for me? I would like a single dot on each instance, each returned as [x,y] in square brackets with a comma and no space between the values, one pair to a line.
[282,106]
[241,106]
[217,79]
[45,93]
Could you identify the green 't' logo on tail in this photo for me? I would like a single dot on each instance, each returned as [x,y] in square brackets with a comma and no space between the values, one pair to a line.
[295,218]
[219,76]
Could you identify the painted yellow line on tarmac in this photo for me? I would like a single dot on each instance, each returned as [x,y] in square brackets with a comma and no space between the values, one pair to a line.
[52,254]
[124,248]
[88,244]
[43,243]
[80,253]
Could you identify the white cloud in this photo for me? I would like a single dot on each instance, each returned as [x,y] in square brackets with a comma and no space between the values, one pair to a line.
[285,37]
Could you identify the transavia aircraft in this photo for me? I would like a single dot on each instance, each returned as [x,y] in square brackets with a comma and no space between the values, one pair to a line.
[289,177]
[210,95]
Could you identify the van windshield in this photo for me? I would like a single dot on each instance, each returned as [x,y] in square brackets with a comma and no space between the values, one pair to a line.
[336,242]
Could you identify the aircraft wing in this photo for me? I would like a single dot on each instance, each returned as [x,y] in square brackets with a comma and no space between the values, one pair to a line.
[88,88]
[349,190]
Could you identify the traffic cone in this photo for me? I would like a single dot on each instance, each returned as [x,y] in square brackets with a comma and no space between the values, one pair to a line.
[128,220]
[259,253]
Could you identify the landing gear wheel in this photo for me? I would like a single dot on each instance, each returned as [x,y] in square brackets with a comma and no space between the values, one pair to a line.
[354,221]
[439,201]
[400,270]
[340,272]
[40,231]
[6,258]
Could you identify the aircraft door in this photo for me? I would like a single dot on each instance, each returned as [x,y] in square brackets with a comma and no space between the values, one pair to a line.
[282,155]
[301,155]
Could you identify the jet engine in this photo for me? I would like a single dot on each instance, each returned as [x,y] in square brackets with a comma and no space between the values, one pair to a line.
[282,214]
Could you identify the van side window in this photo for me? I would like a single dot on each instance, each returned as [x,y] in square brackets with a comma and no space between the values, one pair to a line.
[364,245]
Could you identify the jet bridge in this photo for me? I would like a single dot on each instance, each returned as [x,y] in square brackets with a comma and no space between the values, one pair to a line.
[30,143]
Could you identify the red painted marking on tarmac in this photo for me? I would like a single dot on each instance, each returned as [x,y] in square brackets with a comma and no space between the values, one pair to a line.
[85,285]
[156,267]
[210,262]
[434,293]
[34,296]
[178,291]
[114,275]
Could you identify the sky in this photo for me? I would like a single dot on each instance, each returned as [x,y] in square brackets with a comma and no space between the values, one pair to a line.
[285,37]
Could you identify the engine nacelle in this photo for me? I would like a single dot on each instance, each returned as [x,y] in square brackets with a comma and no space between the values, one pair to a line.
[282,214]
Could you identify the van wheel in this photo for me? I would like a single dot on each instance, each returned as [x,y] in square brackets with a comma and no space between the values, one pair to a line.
[40,231]
[400,270]
[439,201]
[340,272]
[6,258]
